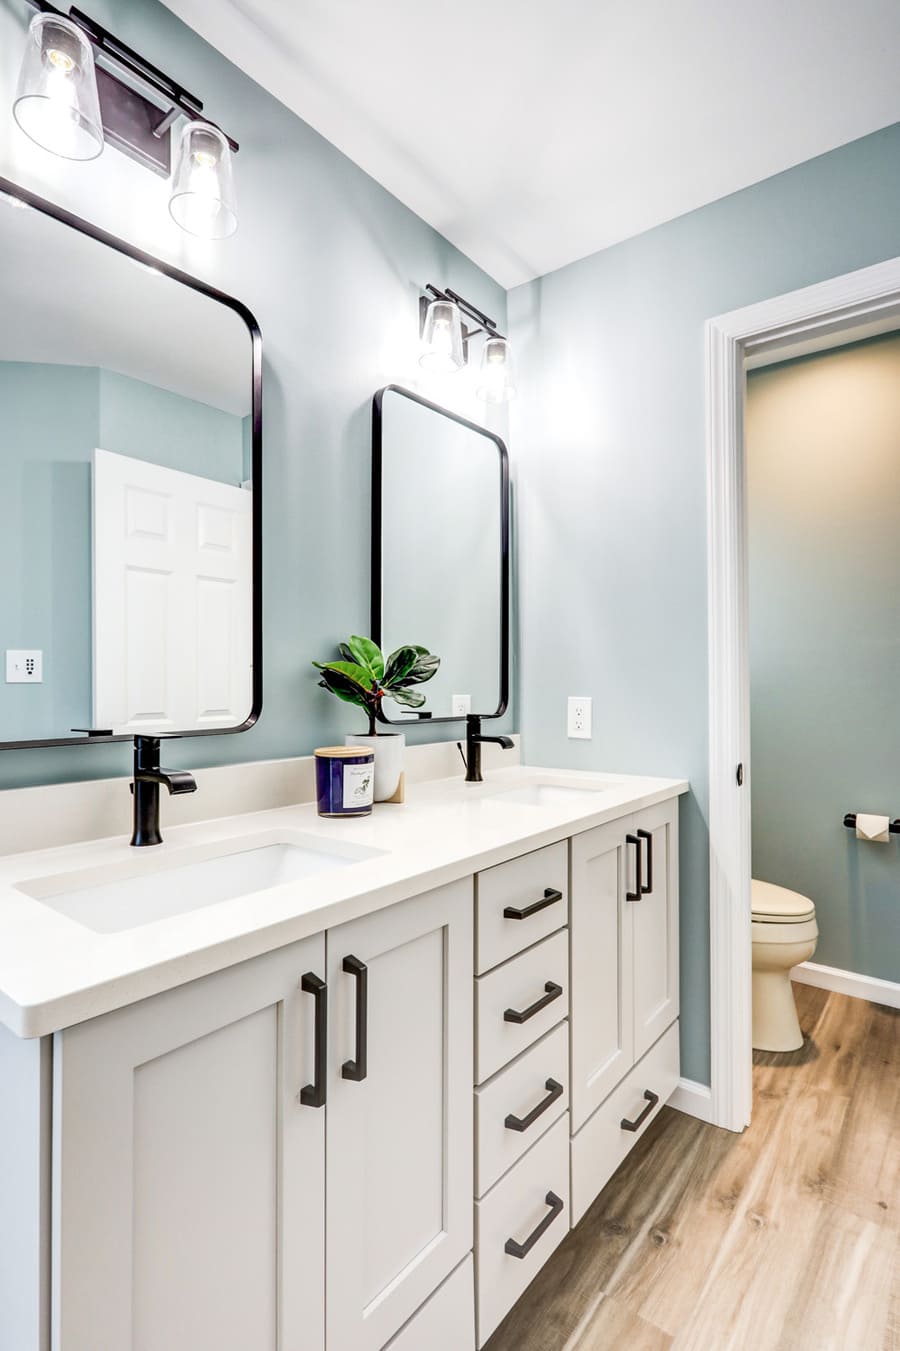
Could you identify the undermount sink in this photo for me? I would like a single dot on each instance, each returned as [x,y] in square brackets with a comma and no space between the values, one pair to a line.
[127,896]
[551,794]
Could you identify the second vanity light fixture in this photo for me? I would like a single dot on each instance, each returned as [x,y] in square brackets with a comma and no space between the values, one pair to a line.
[79,86]
[445,343]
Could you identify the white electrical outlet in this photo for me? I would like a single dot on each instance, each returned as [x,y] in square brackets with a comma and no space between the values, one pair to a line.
[24,666]
[579,724]
[460,705]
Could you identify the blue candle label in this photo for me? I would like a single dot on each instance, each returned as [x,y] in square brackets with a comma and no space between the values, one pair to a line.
[359,785]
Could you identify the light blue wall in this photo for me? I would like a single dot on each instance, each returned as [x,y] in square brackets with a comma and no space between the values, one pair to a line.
[609,438]
[332,266]
[52,417]
[49,417]
[823,457]
[154,424]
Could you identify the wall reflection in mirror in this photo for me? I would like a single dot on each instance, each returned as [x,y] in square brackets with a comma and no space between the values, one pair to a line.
[441,551]
[125,523]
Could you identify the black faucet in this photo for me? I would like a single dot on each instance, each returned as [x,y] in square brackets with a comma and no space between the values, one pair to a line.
[147,778]
[474,742]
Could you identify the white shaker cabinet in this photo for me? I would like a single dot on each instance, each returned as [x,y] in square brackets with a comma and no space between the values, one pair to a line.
[188,1178]
[399,1173]
[602,1011]
[655,921]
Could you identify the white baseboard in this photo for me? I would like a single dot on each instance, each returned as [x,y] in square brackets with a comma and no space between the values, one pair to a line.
[693,1099]
[849,982]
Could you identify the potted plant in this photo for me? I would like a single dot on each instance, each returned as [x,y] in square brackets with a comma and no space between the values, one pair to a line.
[364,677]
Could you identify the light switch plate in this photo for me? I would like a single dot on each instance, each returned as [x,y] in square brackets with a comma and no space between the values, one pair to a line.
[460,705]
[579,722]
[24,666]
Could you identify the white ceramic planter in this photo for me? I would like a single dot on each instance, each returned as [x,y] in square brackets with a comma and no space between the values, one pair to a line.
[389,748]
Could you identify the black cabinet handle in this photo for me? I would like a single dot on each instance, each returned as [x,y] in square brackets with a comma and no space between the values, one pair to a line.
[515,1249]
[358,1068]
[652,1100]
[552,991]
[647,888]
[550,897]
[638,877]
[313,1095]
[522,1123]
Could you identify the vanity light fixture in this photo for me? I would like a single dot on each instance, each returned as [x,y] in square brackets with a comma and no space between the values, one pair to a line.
[448,322]
[80,86]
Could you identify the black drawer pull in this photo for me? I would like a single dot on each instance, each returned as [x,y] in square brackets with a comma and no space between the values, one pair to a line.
[522,1123]
[358,1068]
[516,1249]
[550,897]
[647,888]
[638,878]
[313,1095]
[552,991]
[652,1100]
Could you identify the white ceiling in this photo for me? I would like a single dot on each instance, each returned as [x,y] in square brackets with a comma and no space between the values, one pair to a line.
[534,132]
[66,299]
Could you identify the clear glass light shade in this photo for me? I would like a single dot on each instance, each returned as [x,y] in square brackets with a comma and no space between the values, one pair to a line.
[203,199]
[497,376]
[442,343]
[56,101]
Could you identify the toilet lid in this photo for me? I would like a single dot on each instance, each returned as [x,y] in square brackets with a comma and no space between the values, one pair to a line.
[777,905]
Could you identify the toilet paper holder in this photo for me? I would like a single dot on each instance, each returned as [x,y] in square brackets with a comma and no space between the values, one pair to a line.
[850,822]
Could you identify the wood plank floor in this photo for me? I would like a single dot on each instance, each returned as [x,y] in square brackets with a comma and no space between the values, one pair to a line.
[785,1238]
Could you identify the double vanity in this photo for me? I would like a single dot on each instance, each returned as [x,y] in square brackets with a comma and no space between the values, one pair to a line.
[283,1083]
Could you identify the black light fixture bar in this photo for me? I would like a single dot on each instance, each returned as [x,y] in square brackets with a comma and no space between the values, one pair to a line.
[131,122]
[481,321]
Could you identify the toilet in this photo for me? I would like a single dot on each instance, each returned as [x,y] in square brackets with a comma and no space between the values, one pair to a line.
[784,933]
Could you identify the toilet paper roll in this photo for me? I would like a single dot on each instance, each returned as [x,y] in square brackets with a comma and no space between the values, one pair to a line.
[875,829]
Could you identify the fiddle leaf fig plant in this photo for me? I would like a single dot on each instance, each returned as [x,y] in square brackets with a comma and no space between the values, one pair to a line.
[364,676]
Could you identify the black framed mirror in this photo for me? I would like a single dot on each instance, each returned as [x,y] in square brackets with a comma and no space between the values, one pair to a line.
[440,552]
[130,522]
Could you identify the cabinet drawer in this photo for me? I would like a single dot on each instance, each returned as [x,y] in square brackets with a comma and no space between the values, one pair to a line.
[533,891]
[603,1142]
[520,1001]
[447,1321]
[528,1208]
[531,1093]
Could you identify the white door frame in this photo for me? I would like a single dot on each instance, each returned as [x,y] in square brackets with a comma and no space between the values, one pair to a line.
[833,312]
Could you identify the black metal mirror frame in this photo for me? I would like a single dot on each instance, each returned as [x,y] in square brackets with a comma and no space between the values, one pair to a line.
[46,208]
[377,604]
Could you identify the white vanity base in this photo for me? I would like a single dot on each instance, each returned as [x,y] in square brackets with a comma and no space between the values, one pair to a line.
[191,1194]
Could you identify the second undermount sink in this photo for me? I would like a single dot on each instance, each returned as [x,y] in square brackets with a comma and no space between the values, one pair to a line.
[127,896]
[552,794]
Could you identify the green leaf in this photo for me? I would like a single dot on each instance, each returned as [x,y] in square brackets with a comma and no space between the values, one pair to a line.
[409,698]
[368,654]
[349,696]
[357,675]
[399,663]
[425,667]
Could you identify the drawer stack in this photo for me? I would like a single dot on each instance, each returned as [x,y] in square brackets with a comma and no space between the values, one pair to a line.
[522,1075]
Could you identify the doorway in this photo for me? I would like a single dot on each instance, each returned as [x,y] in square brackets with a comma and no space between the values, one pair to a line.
[844,309]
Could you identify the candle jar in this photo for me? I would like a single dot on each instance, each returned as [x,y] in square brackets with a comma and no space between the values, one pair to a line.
[345,780]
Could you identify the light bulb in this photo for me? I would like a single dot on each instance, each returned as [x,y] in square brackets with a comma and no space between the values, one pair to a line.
[202,200]
[56,101]
[496,378]
[442,345]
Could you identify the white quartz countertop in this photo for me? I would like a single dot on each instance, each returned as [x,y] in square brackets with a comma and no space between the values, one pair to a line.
[55,971]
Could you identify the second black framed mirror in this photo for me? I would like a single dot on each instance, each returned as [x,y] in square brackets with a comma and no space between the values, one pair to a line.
[440,552]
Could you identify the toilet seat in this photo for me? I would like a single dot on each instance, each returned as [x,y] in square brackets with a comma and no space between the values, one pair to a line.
[777,905]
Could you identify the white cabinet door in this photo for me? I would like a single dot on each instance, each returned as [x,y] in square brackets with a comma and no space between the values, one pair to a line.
[399,1167]
[655,919]
[602,1023]
[188,1206]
